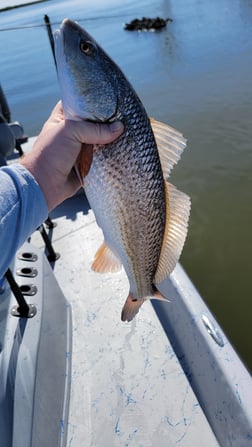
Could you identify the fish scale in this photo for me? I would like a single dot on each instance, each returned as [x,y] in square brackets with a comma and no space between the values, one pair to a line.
[121,196]
[143,218]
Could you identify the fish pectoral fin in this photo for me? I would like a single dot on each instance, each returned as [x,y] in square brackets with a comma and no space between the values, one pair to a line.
[105,260]
[178,207]
[84,161]
[77,172]
[131,307]
[170,143]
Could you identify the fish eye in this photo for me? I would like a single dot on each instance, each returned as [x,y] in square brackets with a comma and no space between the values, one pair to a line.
[86,47]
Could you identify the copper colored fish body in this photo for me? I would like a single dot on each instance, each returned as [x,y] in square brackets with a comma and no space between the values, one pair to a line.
[143,218]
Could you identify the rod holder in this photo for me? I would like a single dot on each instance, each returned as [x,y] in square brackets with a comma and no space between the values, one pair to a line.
[52,255]
[22,309]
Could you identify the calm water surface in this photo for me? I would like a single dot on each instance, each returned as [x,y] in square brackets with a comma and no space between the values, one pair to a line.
[195,75]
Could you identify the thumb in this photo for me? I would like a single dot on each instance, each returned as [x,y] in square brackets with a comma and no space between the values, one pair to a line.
[96,133]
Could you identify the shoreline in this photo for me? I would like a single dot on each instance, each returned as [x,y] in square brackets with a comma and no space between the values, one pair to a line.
[21,5]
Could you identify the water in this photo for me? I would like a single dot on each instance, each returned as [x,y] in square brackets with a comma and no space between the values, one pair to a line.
[195,75]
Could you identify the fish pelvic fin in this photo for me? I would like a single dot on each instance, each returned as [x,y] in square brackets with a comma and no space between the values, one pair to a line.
[132,305]
[84,161]
[105,260]
[170,143]
[178,207]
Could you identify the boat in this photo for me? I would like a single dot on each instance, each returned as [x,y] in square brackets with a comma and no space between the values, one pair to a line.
[72,374]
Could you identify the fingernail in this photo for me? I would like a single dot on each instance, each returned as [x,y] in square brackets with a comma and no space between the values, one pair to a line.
[116,126]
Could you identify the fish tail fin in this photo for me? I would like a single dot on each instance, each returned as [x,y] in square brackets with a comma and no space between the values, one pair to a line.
[132,305]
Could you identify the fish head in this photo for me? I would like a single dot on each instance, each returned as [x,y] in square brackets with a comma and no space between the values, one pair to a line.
[87,81]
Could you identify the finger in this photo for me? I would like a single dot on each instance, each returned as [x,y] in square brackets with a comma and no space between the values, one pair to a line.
[57,113]
[95,133]
[58,108]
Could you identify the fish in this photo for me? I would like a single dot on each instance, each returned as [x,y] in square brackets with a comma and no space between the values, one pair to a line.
[144,218]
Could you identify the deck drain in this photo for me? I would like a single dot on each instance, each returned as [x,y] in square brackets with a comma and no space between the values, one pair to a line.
[27,256]
[15,311]
[28,289]
[29,272]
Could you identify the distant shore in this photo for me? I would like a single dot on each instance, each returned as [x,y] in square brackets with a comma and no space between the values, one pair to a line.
[20,5]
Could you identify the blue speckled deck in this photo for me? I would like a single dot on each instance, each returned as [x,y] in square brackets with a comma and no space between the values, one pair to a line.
[128,388]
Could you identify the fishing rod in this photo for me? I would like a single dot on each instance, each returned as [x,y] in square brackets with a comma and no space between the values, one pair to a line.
[58,22]
[50,35]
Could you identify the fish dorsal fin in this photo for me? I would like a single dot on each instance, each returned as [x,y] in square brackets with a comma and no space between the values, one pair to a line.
[170,143]
[178,210]
[105,260]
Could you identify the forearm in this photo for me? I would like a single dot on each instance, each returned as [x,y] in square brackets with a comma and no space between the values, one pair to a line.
[22,209]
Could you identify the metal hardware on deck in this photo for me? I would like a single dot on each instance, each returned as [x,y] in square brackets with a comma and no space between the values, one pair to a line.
[22,309]
[29,272]
[212,330]
[27,256]
[15,311]
[49,223]
[52,255]
[19,148]
[28,289]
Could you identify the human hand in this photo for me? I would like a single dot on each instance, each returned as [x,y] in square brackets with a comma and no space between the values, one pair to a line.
[56,150]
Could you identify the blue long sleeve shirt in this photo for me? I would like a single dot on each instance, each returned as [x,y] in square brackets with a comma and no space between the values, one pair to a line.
[22,209]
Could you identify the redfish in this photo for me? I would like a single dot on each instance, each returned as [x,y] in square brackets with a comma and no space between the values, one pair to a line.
[144,218]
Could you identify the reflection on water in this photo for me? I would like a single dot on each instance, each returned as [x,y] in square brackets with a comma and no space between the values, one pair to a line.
[195,75]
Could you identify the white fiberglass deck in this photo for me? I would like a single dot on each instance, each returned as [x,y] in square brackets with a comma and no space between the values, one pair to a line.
[128,385]
[128,388]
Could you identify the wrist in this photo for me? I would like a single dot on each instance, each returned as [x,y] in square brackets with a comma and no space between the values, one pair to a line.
[35,167]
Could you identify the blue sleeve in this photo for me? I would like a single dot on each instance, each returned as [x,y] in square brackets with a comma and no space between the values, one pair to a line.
[22,209]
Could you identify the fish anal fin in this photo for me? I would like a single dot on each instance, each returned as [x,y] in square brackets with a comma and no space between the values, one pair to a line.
[178,207]
[158,296]
[105,260]
[170,144]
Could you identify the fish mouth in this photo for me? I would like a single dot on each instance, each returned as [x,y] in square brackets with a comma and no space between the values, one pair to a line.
[59,33]
[72,24]
[58,36]
[67,23]
[58,44]
[76,105]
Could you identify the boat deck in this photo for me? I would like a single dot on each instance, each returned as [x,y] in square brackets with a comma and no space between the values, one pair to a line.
[128,388]
[128,380]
